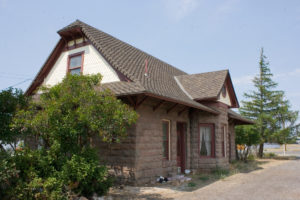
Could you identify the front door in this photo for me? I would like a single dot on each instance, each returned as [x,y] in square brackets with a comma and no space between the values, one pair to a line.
[181,133]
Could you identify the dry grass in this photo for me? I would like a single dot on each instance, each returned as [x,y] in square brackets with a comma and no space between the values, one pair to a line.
[203,179]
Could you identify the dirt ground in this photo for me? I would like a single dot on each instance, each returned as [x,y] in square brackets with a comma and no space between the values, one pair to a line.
[268,179]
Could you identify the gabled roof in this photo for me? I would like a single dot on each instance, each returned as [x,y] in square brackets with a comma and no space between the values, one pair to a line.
[203,85]
[130,62]
[207,86]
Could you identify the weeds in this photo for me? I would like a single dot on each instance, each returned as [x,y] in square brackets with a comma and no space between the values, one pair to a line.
[192,184]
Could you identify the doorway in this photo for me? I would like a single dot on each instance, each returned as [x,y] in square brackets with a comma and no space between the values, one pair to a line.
[181,145]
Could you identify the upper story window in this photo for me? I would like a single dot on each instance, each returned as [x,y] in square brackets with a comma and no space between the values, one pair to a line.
[75,63]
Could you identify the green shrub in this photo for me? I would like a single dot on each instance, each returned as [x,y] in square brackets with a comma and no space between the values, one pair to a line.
[204,178]
[269,155]
[85,176]
[221,173]
[8,177]
[251,157]
[191,184]
[33,174]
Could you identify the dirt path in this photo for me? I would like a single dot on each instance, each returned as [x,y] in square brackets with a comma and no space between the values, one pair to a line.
[275,181]
[280,180]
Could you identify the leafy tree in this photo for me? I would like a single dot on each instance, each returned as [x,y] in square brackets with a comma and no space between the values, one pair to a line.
[64,120]
[246,136]
[264,104]
[11,100]
[73,112]
[285,121]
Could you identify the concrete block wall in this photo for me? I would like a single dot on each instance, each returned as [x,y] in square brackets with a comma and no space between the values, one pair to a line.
[197,117]
[119,157]
[150,163]
[139,158]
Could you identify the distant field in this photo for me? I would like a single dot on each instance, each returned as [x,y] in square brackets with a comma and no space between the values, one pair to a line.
[292,150]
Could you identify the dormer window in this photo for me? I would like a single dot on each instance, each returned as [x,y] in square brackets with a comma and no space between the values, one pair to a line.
[75,63]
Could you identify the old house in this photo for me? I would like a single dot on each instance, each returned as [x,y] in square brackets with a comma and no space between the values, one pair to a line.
[185,120]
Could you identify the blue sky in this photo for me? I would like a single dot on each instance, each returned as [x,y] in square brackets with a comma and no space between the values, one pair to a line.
[193,35]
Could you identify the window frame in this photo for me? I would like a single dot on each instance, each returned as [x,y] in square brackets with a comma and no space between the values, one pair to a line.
[81,53]
[224,91]
[224,142]
[212,126]
[168,157]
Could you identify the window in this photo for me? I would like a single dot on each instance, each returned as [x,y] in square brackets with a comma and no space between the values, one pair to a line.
[206,140]
[166,139]
[224,91]
[223,137]
[75,63]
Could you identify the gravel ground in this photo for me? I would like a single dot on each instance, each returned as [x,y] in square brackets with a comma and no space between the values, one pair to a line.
[277,180]
[280,181]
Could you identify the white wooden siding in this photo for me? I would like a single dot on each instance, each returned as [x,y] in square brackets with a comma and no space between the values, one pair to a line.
[93,63]
[225,100]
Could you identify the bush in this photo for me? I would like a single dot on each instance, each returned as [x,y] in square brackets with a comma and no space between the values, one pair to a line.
[251,157]
[33,174]
[85,177]
[64,121]
[221,173]
[8,177]
[269,155]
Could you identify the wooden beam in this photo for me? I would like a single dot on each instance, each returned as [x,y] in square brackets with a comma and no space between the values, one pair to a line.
[181,111]
[172,107]
[140,102]
[131,101]
[158,105]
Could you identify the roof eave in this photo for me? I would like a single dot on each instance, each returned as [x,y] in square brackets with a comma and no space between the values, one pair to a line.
[202,107]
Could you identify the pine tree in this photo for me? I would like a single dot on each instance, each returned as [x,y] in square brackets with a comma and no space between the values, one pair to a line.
[262,103]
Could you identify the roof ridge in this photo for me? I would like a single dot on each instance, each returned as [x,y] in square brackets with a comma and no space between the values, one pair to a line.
[80,23]
[202,73]
[182,88]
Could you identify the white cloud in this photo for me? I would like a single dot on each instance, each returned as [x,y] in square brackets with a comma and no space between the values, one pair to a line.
[226,7]
[178,9]
[247,80]
[243,80]
[294,73]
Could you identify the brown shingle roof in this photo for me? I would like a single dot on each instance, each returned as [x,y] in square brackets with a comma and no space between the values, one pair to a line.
[239,120]
[121,88]
[130,61]
[205,85]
